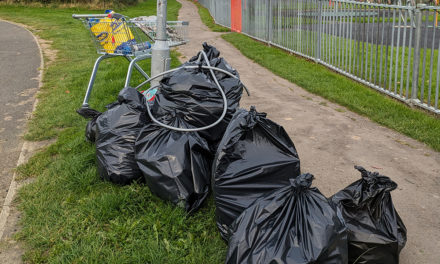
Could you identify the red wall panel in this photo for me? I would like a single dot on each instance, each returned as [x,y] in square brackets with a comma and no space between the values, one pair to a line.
[236,15]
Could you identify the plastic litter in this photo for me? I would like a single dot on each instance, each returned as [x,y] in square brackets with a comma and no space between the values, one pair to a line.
[376,232]
[112,32]
[254,157]
[295,224]
[193,94]
[117,129]
[175,164]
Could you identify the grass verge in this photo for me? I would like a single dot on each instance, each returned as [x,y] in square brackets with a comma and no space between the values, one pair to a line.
[208,20]
[68,214]
[341,90]
[382,65]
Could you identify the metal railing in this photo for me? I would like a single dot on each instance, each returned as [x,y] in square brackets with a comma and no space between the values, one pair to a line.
[391,48]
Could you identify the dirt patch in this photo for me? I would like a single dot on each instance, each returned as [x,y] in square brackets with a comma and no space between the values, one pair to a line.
[50,54]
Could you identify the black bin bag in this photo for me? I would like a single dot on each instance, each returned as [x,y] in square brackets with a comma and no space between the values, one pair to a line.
[254,157]
[116,133]
[376,232]
[295,224]
[175,164]
[91,129]
[92,114]
[194,95]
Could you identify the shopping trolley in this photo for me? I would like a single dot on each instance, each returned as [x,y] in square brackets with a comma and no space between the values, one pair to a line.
[177,31]
[116,35]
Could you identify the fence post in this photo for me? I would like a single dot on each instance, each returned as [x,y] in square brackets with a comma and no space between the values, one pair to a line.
[267,21]
[416,58]
[214,11]
[270,24]
[318,41]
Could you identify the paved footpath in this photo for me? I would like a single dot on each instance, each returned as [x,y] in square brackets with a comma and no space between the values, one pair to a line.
[330,142]
[20,61]
[19,71]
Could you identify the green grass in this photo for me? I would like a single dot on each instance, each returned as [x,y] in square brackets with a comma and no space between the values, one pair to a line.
[207,19]
[339,89]
[68,214]
[336,51]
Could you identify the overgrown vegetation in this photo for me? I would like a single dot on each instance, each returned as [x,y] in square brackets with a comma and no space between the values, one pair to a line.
[341,90]
[68,214]
[80,3]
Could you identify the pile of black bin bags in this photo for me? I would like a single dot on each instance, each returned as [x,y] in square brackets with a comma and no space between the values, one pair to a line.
[114,133]
[266,209]
[255,156]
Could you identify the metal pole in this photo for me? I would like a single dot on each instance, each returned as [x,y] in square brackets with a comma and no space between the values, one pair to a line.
[270,24]
[160,59]
[318,50]
[416,60]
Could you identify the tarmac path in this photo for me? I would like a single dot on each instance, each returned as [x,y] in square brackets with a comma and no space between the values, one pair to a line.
[20,62]
[331,140]
[19,72]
